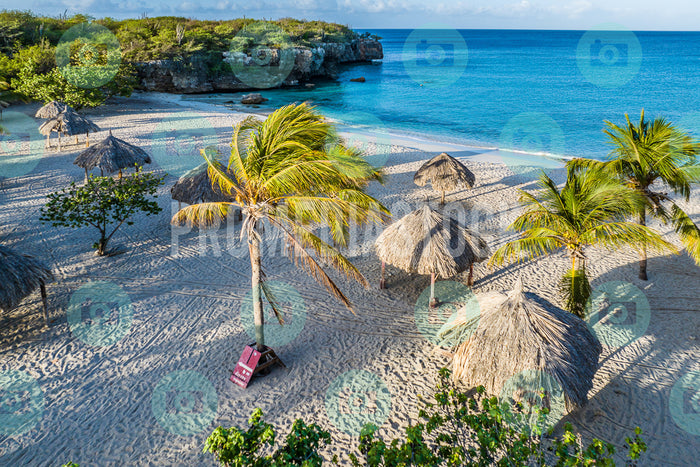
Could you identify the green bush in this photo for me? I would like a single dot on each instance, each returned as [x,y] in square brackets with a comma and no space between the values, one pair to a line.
[457,429]
[103,203]
[253,447]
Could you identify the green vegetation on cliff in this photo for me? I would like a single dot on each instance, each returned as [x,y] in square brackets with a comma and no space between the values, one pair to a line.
[29,45]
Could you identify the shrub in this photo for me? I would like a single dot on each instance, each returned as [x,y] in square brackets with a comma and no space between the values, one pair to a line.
[103,203]
[458,429]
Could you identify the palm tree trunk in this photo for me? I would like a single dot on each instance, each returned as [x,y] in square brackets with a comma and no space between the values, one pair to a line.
[643,254]
[254,249]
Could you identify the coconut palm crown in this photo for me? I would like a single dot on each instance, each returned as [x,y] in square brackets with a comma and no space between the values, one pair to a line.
[291,172]
[650,156]
[588,211]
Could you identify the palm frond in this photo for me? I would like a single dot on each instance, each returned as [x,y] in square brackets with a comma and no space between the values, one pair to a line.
[688,232]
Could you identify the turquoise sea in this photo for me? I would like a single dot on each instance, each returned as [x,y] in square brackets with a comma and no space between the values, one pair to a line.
[539,92]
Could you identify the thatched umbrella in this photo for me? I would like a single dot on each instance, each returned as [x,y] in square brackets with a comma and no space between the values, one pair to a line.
[523,333]
[427,242]
[20,275]
[71,123]
[445,173]
[111,155]
[52,109]
[196,187]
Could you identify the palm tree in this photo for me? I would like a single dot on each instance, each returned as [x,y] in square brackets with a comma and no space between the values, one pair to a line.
[588,211]
[291,172]
[647,157]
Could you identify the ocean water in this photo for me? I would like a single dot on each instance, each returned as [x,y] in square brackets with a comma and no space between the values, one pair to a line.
[536,92]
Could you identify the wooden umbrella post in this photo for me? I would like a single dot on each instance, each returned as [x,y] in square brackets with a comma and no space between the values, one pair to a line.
[44,300]
[87,139]
[86,175]
[433,301]
[442,199]
[470,281]
[382,282]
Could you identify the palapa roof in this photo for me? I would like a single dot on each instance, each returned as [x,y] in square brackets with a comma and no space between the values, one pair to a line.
[427,242]
[524,333]
[196,186]
[20,275]
[445,173]
[52,109]
[70,123]
[111,155]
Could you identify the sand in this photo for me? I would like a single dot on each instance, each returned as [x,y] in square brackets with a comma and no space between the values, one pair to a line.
[113,399]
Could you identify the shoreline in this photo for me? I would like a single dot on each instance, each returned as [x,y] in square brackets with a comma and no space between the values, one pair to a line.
[427,143]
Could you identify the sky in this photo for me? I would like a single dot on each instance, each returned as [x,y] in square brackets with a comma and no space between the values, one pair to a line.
[637,15]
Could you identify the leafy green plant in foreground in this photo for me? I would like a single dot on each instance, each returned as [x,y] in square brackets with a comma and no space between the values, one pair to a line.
[457,429]
[104,203]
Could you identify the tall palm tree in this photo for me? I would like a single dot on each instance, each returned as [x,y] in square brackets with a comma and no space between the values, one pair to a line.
[647,157]
[291,172]
[588,211]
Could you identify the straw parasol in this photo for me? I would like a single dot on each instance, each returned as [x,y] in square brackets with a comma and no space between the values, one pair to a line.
[524,333]
[111,155]
[196,187]
[426,242]
[445,173]
[71,123]
[20,275]
[52,110]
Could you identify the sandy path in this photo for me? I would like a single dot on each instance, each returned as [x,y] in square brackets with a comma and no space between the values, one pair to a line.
[186,316]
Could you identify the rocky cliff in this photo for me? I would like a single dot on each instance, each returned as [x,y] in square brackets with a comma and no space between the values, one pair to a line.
[239,72]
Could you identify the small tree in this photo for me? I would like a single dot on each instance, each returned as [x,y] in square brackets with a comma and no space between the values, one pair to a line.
[104,203]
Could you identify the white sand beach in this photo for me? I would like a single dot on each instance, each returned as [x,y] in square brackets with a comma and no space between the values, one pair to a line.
[184,293]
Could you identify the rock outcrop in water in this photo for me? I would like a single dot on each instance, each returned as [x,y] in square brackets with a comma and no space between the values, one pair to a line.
[197,76]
